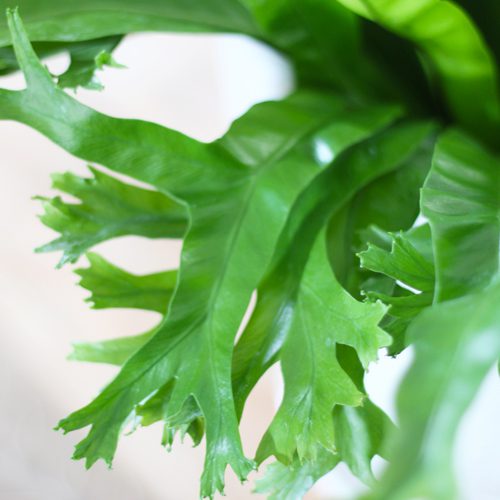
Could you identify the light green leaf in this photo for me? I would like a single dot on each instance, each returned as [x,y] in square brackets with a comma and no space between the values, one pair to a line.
[111,286]
[390,202]
[359,433]
[113,352]
[81,73]
[456,341]
[485,14]
[462,202]
[292,482]
[270,322]
[325,315]
[108,208]
[456,344]
[408,262]
[404,262]
[189,421]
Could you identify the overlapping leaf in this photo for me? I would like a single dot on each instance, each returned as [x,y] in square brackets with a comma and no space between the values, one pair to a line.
[113,352]
[108,208]
[229,187]
[462,202]
[86,58]
[111,286]
[290,482]
[277,310]
[456,341]
[408,285]
[301,29]
[262,339]
[454,49]
[73,20]
[324,316]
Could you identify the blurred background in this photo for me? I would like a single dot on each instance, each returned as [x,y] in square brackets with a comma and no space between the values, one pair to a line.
[198,85]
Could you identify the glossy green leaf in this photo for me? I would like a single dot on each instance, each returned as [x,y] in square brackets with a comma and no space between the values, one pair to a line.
[108,208]
[265,333]
[189,421]
[359,434]
[325,315]
[404,262]
[321,55]
[390,202]
[409,281]
[485,14]
[111,286]
[276,309]
[462,202]
[71,20]
[454,49]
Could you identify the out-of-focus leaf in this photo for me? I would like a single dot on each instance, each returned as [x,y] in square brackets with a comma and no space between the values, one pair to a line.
[456,344]
[454,49]
[8,61]
[462,202]
[485,14]
[456,341]
[189,421]
[302,29]
[293,481]
[108,208]
[113,352]
[74,20]
[111,286]
[358,437]
[360,432]
[299,28]
[86,59]
[397,59]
